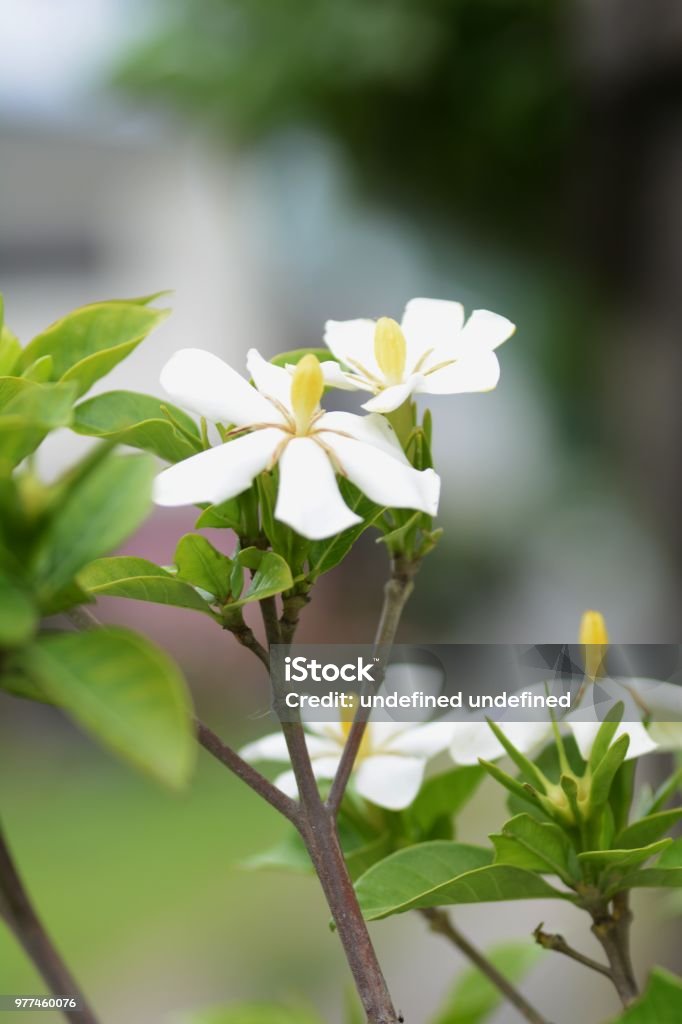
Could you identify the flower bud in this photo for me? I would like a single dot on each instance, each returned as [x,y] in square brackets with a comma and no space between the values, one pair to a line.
[595,638]
[307,385]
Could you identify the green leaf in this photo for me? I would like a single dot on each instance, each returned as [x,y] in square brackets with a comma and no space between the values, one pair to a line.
[440,873]
[605,771]
[253,1013]
[648,878]
[661,1003]
[607,730]
[96,515]
[140,421]
[225,516]
[527,767]
[27,418]
[18,615]
[324,555]
[10,350]
[289,854]
[647,830]
[200,564]
[41,371]
[271,576]
[140,580]
[89,342]
[444,795]
[473,998]
[124,691]
[623,858]
[536,846]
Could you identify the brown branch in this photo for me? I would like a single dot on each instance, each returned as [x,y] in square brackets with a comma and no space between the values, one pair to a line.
[559,945]
[612,929]
[397,590]
[16,908]
[244,771]
[442,925]
[247,638]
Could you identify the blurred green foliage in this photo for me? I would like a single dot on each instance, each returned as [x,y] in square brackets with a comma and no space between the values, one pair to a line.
[463,106]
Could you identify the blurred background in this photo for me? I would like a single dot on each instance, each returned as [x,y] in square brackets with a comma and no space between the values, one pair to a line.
[275,165]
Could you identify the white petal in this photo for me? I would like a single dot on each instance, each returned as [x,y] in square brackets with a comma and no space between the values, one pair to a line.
[390,781]
[272,381]
[334,377]
[385,480]
[374,430]
[393,397]
[586,732]
[484,329]
[309,500]
[287,783]
[422,740]
[203,383]
[219,473]
[352,341]
[431,323]
[662,700]
[268,748]
[478,371]
[325,767]
[666,735]
[471,740]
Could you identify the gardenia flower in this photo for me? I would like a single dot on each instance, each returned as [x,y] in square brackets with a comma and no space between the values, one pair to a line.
[389,768]
[647,705]
[433,351]
[279,423]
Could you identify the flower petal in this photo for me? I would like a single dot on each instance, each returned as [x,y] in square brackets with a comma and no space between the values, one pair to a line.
[476,371]
[374,430]
[484,329]
[309,500]
[219,473]
[383,478]
[422,740]
[352,341]
[390,781]
[206,385]
[666,735]
[334,377]
[287,783]
[431,323]
[272,381]
[474,740]
[393,397]
[272,747]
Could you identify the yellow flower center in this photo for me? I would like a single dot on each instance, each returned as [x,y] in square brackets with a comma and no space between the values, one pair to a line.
[390,349]
[595,637]
[307,385]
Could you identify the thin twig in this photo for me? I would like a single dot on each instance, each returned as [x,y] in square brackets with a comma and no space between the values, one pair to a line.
[559,945]
[23,921]
[396,593]
[244,771]
[247,638]
[442,925]
[612,928]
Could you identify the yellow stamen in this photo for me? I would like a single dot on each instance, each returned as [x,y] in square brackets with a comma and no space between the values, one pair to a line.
[307,385]
[594,636]
[390,349]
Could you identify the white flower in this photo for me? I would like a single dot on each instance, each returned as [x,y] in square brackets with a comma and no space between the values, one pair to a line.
[279,422]
[390,765]
[433,351]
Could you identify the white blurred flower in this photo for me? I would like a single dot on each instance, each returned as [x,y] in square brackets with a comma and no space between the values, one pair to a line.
[279,422]
[433,351]
[390,765]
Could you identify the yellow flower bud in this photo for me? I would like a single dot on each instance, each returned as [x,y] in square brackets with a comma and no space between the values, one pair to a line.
[390,349]
[595,637]
[307,385]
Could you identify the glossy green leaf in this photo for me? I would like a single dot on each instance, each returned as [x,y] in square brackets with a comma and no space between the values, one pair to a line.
[96,515]
[536,846]
[141,421]
[623,858]
[89,342]
[440,873]
[225,516]
[18,614]
[647,830]
[444,795]
[271,575]
[27,418]
[202,565]
[473,998]
[607,730]
[124,691]
[41,371]
[648,878]
[139,580]
[10,351]
[661,1002]
[605,771]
